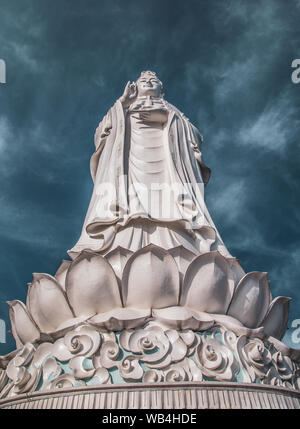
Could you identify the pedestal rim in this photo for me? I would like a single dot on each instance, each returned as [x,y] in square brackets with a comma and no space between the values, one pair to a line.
[211,386]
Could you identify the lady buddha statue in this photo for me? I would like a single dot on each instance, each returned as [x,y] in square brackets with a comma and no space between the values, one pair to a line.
[149,178]
[148,297]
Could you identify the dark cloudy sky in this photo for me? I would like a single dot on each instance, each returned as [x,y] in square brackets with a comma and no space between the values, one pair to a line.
[225,63]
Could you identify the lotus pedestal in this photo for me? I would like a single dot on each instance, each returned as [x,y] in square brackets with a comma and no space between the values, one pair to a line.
[152,329]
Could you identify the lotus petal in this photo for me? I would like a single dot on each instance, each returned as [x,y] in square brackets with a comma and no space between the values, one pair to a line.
[91,285]
[120,318]
[224,320]
[209,237]
[62,272]
[47,303]
[117,259]
[150,279]
[236,326]
[275,322]
[67,327]
[183,318]
[23,327]
[183,258]
[251,299]
[208,284]
[237,270]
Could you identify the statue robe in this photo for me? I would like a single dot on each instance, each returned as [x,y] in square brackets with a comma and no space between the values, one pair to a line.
[112,219]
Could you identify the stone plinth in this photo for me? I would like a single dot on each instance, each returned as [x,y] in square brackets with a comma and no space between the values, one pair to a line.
[187,395]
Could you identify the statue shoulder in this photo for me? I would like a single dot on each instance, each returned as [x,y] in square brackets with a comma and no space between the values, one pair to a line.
[178,112]
[181,115]
[107,122]
[174,109]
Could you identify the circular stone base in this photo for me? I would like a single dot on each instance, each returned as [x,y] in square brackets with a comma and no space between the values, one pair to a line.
[184,395]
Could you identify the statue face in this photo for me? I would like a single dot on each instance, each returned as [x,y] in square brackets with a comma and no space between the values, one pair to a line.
[149,85]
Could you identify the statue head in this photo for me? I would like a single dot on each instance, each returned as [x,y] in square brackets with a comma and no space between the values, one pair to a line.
[149,84]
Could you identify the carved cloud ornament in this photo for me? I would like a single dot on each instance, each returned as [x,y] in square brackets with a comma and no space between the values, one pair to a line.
[89,356]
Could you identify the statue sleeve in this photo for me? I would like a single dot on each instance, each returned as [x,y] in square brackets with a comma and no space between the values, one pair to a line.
[196,141]
[101,134]
[103,130]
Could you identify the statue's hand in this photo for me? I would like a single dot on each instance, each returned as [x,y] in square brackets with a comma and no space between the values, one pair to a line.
[155,115]
[129,95]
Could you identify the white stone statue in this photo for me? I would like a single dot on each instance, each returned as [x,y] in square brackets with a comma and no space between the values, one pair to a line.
[148,178]
[152,294]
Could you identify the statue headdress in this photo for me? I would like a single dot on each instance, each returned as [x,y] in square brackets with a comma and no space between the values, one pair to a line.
[152,74]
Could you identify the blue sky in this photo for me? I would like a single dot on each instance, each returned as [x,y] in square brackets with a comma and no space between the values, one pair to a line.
[225,63]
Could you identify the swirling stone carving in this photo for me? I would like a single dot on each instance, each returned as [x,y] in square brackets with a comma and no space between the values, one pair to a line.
[215,360]
[153,353]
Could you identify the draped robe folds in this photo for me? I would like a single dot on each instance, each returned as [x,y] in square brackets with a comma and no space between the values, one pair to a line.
[111,220]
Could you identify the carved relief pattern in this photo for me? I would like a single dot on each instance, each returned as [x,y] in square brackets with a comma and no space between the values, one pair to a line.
[154,353]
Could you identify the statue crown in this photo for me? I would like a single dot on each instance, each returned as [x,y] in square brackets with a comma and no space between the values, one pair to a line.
[148,73]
